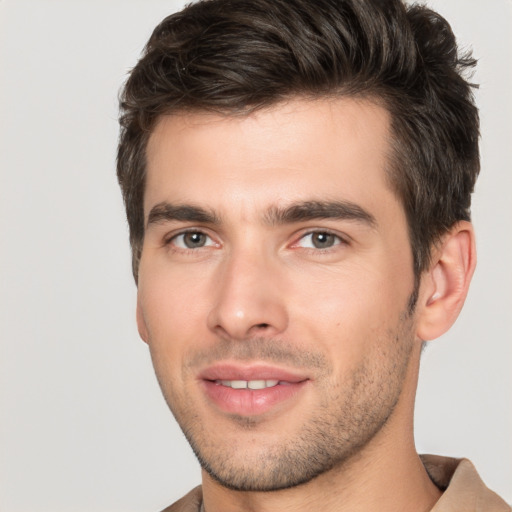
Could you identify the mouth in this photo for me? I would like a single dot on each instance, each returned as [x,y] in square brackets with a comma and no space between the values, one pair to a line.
[250,384]
[252,390]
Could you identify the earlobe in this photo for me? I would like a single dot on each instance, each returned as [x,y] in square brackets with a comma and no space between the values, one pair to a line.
[445,285]
[141,324]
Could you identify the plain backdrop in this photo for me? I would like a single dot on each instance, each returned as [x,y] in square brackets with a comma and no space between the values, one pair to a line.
[83,426]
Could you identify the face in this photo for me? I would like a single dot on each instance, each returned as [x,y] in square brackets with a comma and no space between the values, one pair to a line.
[273,287]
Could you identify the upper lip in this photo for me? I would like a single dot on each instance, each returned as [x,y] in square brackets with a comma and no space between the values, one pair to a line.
[230,371]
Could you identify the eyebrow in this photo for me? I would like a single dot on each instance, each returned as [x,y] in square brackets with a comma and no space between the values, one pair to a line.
[313,210]
[296,212]
[163,212]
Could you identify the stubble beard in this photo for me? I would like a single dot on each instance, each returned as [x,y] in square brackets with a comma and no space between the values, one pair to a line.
[352,412]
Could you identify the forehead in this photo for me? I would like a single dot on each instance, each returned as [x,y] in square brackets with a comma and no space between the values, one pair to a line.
[299,150]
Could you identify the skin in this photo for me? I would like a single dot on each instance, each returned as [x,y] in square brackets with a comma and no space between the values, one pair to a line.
[255,282]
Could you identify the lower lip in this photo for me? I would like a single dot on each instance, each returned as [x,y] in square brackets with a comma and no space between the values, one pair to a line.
[251,402]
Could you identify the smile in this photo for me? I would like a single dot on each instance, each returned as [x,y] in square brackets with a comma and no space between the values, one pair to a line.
[248,384]
[251,390]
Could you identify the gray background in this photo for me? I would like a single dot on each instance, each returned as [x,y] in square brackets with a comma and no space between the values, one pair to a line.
[83,426]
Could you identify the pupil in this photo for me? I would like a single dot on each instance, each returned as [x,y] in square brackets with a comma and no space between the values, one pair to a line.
[323,240]
[193,240]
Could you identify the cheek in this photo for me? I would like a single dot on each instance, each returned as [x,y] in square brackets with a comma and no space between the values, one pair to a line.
[337,297]
[174,319]
[173,309]
[347,312]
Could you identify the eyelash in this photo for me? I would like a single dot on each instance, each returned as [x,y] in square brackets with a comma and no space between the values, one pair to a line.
[168,241]
[339,241]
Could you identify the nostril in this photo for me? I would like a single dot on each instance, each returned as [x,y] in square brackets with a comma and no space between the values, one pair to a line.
[262,326]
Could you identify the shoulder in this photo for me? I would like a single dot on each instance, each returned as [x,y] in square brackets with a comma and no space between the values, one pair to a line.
[463,488]
[191,502]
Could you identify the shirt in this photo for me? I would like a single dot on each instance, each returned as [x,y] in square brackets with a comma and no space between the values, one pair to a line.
[464,490]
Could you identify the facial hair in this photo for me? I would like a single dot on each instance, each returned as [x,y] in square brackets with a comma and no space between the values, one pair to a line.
[352,410]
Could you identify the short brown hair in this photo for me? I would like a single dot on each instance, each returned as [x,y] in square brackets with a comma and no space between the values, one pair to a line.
[236,56]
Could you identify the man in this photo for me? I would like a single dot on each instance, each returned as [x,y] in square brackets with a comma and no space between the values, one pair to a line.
[297,177]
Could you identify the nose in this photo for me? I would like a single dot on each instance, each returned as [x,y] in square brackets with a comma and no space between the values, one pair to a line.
[249,299]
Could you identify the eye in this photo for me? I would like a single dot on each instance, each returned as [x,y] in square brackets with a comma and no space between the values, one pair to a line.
[191,240]
[319,240]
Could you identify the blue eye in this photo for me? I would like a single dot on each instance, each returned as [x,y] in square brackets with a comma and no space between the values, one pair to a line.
[192,240]
[319,240]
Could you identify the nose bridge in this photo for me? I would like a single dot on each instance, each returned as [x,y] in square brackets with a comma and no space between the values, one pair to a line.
[248,297]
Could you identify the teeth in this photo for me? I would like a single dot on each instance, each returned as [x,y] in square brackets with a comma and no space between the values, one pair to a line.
[238,384]
[261,384]
[249,384]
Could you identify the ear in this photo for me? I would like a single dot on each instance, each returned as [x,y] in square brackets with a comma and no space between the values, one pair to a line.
[141,324]
[445,285]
